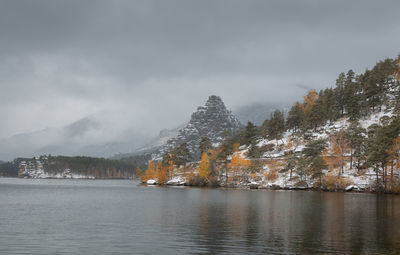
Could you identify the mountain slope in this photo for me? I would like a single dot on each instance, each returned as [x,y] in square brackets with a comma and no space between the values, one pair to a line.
[210,120]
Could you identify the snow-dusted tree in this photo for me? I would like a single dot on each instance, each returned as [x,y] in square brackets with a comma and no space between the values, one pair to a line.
[295,117]
[205,144]
[340,94]
[316,116]
[276,125]
[313,156]
[356,135]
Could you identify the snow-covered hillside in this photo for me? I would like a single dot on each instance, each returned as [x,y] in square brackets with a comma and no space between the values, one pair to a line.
[34,169]
[352,176]
[210,121]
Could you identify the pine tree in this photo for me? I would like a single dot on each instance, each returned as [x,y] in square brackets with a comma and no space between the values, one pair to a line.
[316,116]
[250,134]
[276,125]
[394,155]
[352,98]
[301,168]
[332,108]
[313,156]
[182,154]
[340,93]
[380,140]
[205,145]
[355,134]
[316,166]
[264,128]
[295,117]
[376,83]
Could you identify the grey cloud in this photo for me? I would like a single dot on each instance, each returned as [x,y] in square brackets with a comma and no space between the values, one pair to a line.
[148,64]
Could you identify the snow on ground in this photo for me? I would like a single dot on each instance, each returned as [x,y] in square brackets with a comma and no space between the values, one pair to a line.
[363,181]
[41,174]
[374,119]
[177,181]
[151,182]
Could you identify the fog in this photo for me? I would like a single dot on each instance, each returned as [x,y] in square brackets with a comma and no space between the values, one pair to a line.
[136,67]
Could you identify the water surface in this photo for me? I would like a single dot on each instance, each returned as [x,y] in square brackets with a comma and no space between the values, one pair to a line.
[120,217]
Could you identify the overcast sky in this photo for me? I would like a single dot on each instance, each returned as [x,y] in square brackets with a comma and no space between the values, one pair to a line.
[148,64]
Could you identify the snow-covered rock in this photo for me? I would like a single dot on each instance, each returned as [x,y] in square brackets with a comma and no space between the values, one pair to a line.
[210,121]
[253,185]
[176,181]
[151,182]
[352,187]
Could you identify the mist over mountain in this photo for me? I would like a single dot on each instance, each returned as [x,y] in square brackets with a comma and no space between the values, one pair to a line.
[90,136]
[257,112]
[153,144]
[102,136]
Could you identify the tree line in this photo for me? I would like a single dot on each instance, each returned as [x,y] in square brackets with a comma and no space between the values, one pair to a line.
[86,166]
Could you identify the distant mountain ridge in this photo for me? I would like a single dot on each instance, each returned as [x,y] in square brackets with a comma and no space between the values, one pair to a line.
[78,138]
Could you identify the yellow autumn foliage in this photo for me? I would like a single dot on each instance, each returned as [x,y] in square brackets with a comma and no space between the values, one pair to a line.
[161,174]
[204,170]
[309,100]
[150,172]
[238,164]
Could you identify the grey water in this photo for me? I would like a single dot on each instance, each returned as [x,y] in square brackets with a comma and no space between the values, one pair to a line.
[122,217]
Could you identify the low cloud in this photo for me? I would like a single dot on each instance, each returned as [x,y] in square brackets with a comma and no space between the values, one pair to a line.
[146,65]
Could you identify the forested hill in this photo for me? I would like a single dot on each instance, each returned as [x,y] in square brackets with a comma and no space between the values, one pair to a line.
[348,134]
[68,167]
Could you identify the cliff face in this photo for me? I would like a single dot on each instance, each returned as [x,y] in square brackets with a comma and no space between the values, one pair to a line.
[210,120]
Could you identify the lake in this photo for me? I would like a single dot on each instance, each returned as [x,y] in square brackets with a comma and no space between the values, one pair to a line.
[122,217]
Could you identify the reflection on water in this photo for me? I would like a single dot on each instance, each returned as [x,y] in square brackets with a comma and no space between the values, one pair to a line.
[119,217]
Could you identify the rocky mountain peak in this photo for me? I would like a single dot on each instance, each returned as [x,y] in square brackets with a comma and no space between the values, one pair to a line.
[210,120]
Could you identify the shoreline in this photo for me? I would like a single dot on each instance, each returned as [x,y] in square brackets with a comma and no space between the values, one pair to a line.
[263,188]
[239,187]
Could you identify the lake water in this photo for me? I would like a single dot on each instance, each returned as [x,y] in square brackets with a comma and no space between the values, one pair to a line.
[120,217]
